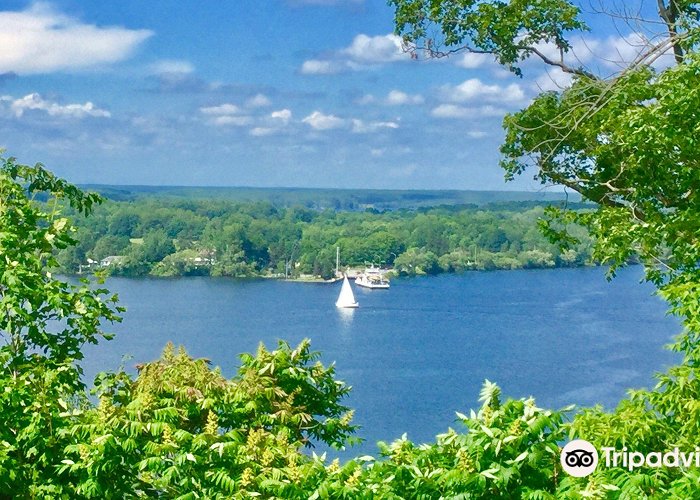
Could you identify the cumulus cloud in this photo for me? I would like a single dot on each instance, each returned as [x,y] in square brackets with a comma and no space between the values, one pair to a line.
[262,131]
[398,98]
[320,121]
[552,80]
[172,66]
[366,99]
[34,102]
[226,114]
[322,67]
[462,112]
[470,60]
[41,40]
[582,51]
[476,134]
[364,51]
[474,89]
[258,101]
[619,51]
[614,52]
[236,121]
[362,127]
[221,109]
[393,98]
[283,115]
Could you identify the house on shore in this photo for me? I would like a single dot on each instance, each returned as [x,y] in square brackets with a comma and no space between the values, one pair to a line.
[112,260]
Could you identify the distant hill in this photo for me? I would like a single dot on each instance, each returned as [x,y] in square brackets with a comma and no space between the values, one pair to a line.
[339,199]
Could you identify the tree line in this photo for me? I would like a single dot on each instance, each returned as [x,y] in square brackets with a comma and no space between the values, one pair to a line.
[182,237]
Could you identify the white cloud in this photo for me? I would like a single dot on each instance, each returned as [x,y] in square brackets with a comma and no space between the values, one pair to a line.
[379,49]
[393,98]
[461,112]
[363,52]
[362,127]
[614,52]
[222,109]
[474,89]
[226,114]
[262,131]
[366,99]
[619,51]
[258,101]
[451,111]
[284,115]
[476,134]
[398,98]
[470,60]
[552,80]
[236,121]
[41,40]
[37,103]
[321,67]
[319,121]
[172,66]
[581,51]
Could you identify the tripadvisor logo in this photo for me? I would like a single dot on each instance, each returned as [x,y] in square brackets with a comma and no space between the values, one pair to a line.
[579,458]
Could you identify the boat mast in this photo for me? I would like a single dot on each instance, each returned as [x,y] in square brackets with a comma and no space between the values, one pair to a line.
[337,260]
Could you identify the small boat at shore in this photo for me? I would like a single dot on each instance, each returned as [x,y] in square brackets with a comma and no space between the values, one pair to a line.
[346,299]
[372,278]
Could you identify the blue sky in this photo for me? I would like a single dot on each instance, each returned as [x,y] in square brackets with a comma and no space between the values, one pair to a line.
[308,93]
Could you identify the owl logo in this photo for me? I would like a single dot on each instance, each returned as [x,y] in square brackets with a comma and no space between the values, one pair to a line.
[579,458]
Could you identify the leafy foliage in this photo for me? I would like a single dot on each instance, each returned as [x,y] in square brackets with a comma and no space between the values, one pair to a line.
[208,237]
[180,427]
[44,323]
[627,142]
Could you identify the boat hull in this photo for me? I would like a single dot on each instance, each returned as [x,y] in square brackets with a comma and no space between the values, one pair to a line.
[374,286]
[347,306]
[373,282]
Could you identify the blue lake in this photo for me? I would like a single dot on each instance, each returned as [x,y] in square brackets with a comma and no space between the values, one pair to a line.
[420,351]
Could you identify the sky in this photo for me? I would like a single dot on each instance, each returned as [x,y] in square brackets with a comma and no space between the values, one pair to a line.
[284,93]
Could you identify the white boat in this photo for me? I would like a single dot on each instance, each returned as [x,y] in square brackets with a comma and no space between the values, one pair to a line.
[346,297]
[372,277]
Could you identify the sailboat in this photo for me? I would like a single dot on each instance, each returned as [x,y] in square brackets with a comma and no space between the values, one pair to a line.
[346,297]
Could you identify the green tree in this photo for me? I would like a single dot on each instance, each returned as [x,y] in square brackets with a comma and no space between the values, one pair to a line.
[417,261]
[110,245]
[124,223]
[627,142]
[181,428]
[156,246]
[44,322]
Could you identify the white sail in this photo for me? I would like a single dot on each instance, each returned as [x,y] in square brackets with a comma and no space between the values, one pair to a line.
[346,297]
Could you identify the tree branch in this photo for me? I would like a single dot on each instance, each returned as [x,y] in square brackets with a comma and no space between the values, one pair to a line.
[670,16]
[560,64]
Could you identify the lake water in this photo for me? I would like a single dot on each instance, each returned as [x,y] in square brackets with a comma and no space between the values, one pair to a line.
[420,351]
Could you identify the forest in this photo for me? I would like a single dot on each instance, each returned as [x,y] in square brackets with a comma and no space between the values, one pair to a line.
[188,236]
